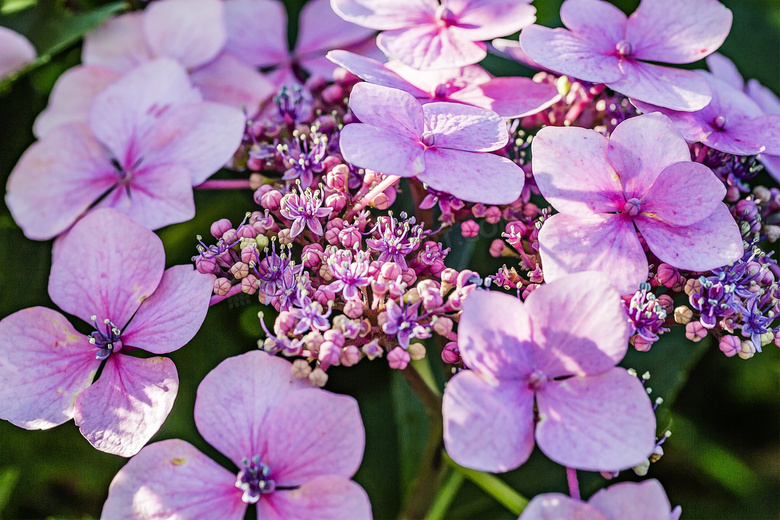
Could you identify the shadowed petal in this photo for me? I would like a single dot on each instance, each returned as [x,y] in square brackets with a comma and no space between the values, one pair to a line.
[646,500]
[320,29]
[509,97]
[427,47]
[44,365]
[772,165]
[118,44]
[17,52]
[600,23]
[106,265]
[725,70]
[596,423]
[378,149]
[373,71]
[253,383]
[488,426]
[487,19]
[388,108]
[555,506]
[684,193]
[668,87]
[324,498]
[462,127]
[245,20]
[171,316]
[172,479]
[229,81]
[121,411]
[386,14]
[765,98]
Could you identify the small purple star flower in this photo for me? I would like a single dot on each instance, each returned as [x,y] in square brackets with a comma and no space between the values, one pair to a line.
[305,210]
[402,323]
[350,275]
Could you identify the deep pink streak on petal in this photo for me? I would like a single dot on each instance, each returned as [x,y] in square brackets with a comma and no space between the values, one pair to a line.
[646,500]
[190,31]
[245,20]
[229,81]
[641,147]
[56,180]
[713,242]
[72,96]
[509,97]
[488,425]
[579,326]
[684,193]
[327,497]
[121,411]
[17,52]
[44,365]
[725,70]
[320,29]
[106,265]
[669,87]
[487,19]
[311,433]
[172,479]
[473,176]
[570,167]
[677,32]
[373,71]
[606,243]
[555,506]
[387,108]
[118,44]
[562,51]
[600,23]
[494,335]
[253,383]
[596,423]
[171,316]
[380,150]
[462,127]
[426,47]
[386,14]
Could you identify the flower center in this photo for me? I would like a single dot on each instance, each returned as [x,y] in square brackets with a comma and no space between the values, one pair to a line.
[624,48]
[720,122]
[428,139]
[445,15]
[254,481]
[633,207]
[537,380]
[106,341]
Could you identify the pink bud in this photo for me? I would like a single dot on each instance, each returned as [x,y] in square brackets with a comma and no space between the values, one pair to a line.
[391,271]
[316,82]
[667,275]
[318,377]
[337,177]
[730,345]
[249,254]
[285,323]
[239,270]
[350,237]
[219,227]
[205,265]
[353,309]
[469,229]
[398,358]
[335,336]
[450,276]
[247,232]
[641,344]
[300,369]
[667,303]
[450,353]
[333,94]
[350,355]
[409,277]
[496,248]
[329,354]
[479,210]
[249,284]
[385,199]
[221,286]
[337,201]
[271,200]
[312,255]
[695,331]
[493,215]
[442,325]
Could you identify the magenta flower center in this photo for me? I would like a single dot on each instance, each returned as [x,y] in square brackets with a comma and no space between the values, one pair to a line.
[428,139]
[624,48]
[633,207]
[106,341]
[445,16]
[537,380]
[720,122]
[254,480]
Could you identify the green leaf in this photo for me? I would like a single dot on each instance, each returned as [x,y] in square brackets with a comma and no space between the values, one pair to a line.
[8,479]
[413,426]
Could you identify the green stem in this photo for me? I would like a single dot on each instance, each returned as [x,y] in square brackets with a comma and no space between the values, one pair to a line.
[493,486]
[447,494]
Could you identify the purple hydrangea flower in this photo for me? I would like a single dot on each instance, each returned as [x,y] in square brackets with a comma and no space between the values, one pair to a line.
[305,210]
[402,323]
[350,275]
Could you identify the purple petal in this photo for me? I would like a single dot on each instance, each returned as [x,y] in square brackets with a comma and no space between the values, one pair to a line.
[488,425]
[564,52]
[121,411]
[596,423]
[229,81]
[668,31]
[72,96]
[641,147]
[480,20]
[172,479]
[17,52]
[579,326]
[676,89]
[119,44]
[171,316]
[189,31]
[765,98]
[509,97]
[327,497]
[253,383]
[386,14]
[388,108]
[646,500]
[427,47]
[473,176]
[44,365]
[600,23]
[555,506]
[725,70]
[374,72]
[245,20]
[713,242]
[56,180]
[380,150]
[771,164]
[462,127]
[606,243]
[106,265]
[320,29]
[684,193]
[572,171]
[453,79]
[494,335]
[764,130]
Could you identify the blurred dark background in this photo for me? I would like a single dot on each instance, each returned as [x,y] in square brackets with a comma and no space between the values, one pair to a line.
[722,461]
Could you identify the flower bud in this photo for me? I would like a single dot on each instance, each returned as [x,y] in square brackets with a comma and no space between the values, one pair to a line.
[219,227]
[337,201]
[249,284]
[683,315]
[300,369]
[239,270]
[391,271]
[318,377]
[337,178]
[493,215]
[496,248]
[353,309]
[221,286]
[372,350]
[451,353]
[205,265]
[695,331]
[329,354]
[442,325]
[416,351]
[469,229]
[269,199]
[350,355]
[398,358]
[747,350]
[333,94]
[730,345]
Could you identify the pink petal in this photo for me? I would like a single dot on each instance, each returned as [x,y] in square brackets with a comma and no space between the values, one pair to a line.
[713,242]
[765,98]
[462,127]
[172,479]
[56,180]
[245,20]
[487,19]
[428,47]
[229,81]
[676,89]
[596,423]
[641,147]
[72,96]
[570,167]
[376,148]
[606,243]
[312,433]
[646,500]
[453,79]
[191,32]
[386,14]
[119,44]
[106,265]
[494,335]
[564,52]
[512,50]
[253,383]
[764,130]
[600,23]
[320,29]
[771,164]
[327,497]
[171,316]
[488,425]
[668,31]
[725,70]
[44,365]
[374,72]
[579,326]
[509,97]
[389,108]
[684,193]
[473,176]
[17,52]
[121,411]
[555,506]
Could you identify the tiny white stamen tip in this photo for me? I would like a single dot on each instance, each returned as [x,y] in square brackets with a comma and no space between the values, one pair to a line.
[93,317]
